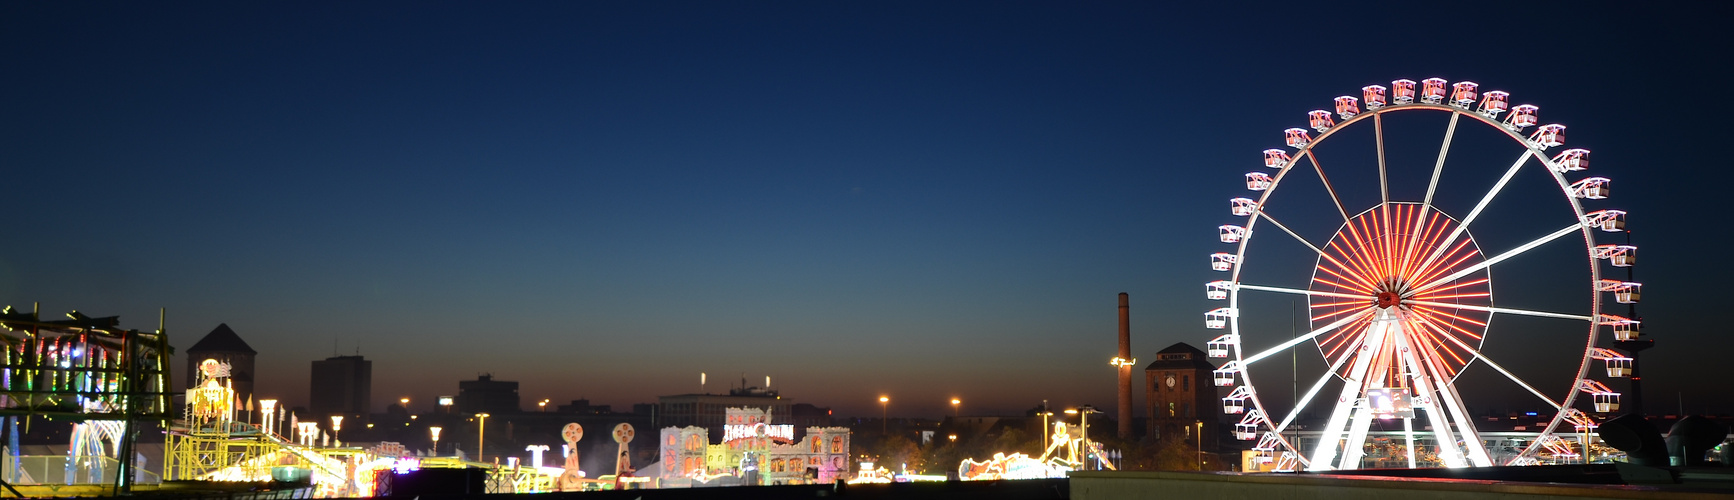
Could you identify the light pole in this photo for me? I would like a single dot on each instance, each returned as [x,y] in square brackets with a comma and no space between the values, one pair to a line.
[1200,438]
[884,414]
[481,434]
[1084,431]
[405,403]
[542,406]
[435,432]
[954,408]
[1045,429]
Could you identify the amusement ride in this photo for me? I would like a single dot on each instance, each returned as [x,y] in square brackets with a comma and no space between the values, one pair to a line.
[1400,296]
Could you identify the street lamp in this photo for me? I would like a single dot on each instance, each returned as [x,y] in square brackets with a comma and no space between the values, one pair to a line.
[1200,438]
[1084,429]
[405,403]
[884,414]
[542,406]
[1045,429]
[954,407]
[435,432]
[481,434]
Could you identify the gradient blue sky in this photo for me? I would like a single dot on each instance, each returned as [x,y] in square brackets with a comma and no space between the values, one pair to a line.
[604,199]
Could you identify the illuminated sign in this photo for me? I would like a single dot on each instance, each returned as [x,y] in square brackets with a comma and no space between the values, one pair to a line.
[733,432]
[1390,403]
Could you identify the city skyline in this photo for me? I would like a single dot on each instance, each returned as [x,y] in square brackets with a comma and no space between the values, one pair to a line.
[919,201]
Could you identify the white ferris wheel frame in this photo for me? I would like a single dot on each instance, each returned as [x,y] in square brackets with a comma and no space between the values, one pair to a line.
[1272,432]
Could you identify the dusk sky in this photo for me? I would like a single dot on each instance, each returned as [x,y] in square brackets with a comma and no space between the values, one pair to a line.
[924,200]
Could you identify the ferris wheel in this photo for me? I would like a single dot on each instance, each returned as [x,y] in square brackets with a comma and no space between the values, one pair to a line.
[1400,296]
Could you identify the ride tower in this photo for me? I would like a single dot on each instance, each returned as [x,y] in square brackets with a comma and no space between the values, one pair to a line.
[92,372]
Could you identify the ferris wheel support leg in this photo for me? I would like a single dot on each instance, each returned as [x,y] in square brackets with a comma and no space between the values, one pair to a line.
[1354,447]
[1353,388]
[1473,449]
[1442,434]
[1409,439]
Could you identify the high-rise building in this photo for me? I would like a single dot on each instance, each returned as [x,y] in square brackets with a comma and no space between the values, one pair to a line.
[342,385]
[223,345]
[1181,396]
[486,395]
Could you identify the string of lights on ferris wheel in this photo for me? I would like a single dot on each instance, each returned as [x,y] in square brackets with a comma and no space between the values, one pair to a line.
[1401,295]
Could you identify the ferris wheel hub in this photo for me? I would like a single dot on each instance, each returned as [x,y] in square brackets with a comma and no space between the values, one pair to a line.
[1387,299]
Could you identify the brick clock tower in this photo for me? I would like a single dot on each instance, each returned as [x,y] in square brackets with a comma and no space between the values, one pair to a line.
[1179,396]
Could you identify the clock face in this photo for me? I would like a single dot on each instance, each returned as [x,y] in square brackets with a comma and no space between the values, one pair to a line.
[1170,381]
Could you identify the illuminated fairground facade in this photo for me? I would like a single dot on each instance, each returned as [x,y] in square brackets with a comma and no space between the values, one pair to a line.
[1398,290]
[754,451]
[105,379]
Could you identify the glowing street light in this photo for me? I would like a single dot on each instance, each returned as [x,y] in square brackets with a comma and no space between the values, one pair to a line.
[405,403]
[336,425]
[954,408]
[884,414]
[542,406]
[1200,438]
[481,434]
[435,432]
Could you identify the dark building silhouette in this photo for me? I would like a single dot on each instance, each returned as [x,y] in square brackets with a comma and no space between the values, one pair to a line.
[486,395]
[342,385]
[1180,395]
[223,345]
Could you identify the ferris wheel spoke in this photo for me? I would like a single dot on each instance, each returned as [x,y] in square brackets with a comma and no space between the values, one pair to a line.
[1439,166]
[1379,140]
[1327,182]
[1290,232]
[1303,338]
[1502,371]
[1479,206]
[1501,257]
[1313,391]
[1500,310]
[1297,291]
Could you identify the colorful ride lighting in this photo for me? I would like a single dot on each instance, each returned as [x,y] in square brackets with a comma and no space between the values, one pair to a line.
[1217,290]
[1276,158]
[1618,255]
[1403,91]
[1223,261]
[1258,181]
[1347,107]
[1232,233]
[1242,207]
[1297,137]
[1493,103]
[1225,376]
[1549,135]
[1374,96]
[1463,94]
[1433,90]
[1217,319]
[1521,116]
[1612,221]
[1320,120]
[1570,160]
[1593,188]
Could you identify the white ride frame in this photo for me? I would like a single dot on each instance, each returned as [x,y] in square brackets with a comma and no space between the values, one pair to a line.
[1389,326]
